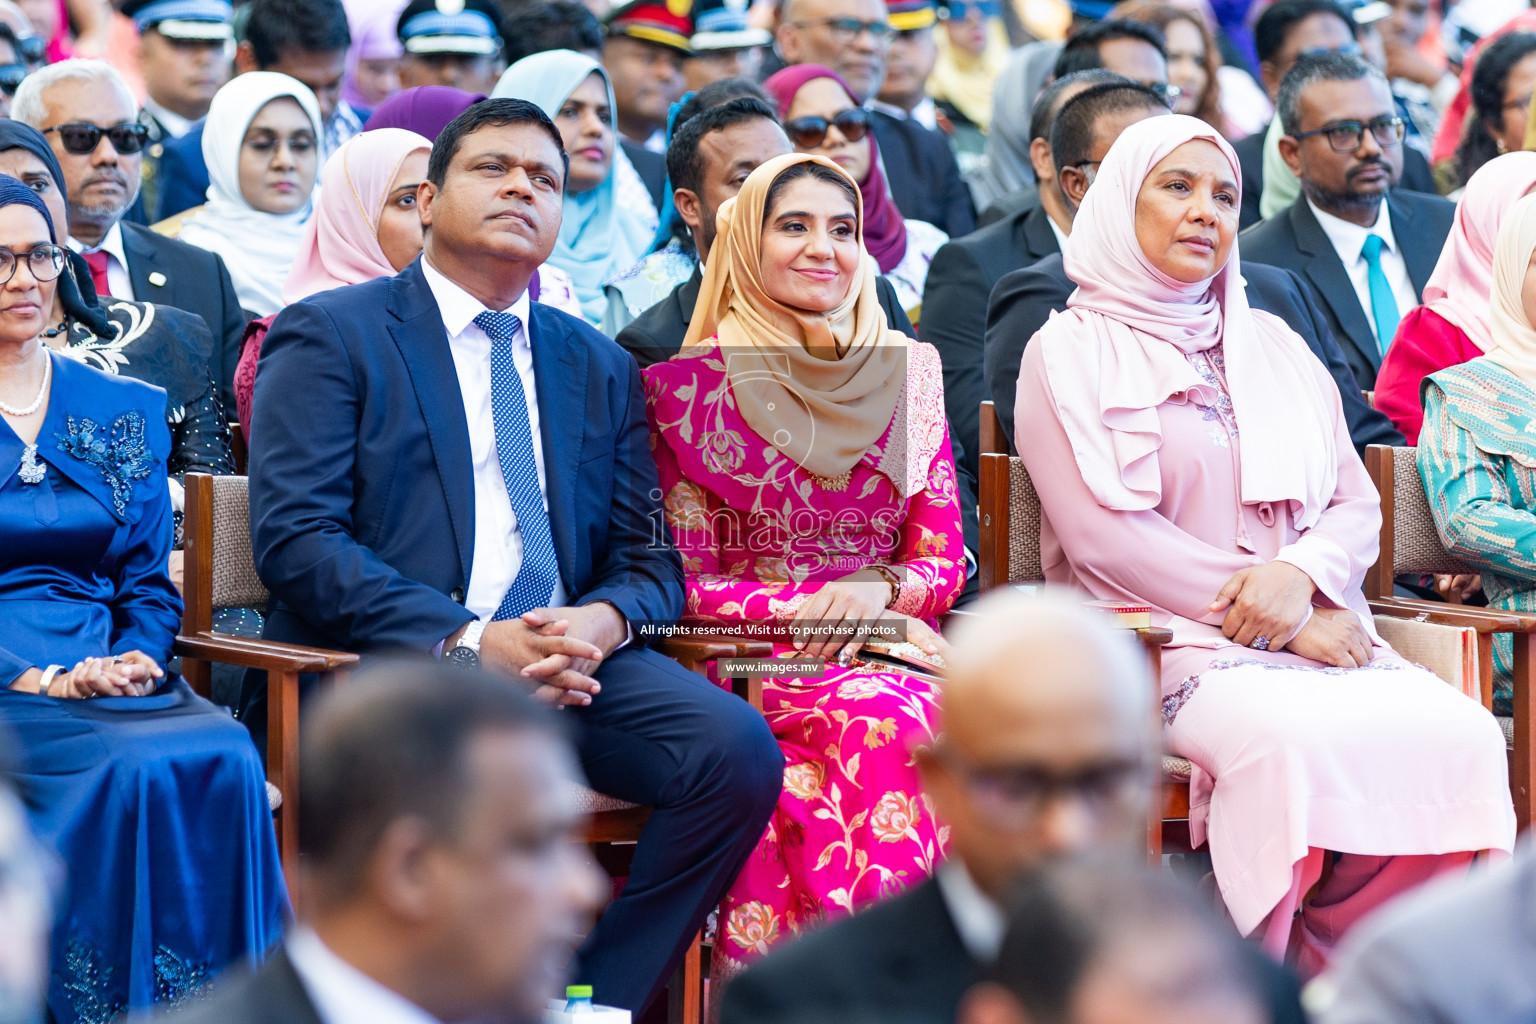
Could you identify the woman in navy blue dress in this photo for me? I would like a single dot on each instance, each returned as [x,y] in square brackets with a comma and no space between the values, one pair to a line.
[152,797]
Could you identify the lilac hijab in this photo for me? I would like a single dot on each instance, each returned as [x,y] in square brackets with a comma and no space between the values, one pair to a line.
[425,110]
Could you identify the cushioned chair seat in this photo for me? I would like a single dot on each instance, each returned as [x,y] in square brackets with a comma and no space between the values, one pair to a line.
[589,801]
[1177,767]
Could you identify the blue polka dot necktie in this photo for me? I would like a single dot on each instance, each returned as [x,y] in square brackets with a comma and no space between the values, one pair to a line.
[1383,303]
[536,577]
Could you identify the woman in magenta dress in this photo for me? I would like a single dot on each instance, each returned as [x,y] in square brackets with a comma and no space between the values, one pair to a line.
[806,465]
[1192,455]
[1451,326]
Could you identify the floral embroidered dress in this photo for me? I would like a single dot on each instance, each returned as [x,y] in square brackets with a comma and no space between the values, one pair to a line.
[1291,757]
[756,532]
[1477,455]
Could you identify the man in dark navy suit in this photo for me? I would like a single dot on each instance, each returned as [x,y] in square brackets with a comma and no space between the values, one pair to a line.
[449,467]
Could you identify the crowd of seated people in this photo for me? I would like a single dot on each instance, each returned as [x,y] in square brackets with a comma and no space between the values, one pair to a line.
[549,335]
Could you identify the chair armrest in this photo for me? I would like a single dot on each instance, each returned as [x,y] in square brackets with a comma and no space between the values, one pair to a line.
[1155,636]
[1484,620]
[267,655]
[694,651]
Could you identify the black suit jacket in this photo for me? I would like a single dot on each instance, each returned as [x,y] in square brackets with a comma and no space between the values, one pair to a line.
[923,175]
[1416,176]
[652,168]
[897,962]
[1023,301]
[169,272]
[960,281]
[1293,239]
[271,995]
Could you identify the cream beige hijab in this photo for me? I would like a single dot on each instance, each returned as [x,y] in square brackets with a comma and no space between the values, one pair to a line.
[1514,337]
[820,387]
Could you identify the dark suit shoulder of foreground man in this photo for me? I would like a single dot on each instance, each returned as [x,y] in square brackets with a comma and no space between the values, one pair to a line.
[1038,685]
[1024,300]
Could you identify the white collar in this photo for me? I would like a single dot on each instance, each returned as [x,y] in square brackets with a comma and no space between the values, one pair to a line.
[977,917]
[926,113]
[174,124]
[1347,238]
[342,994]
[112,244]
[458,308]
[1061,236]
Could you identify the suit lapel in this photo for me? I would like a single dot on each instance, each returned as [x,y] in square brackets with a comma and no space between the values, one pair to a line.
[560,377]
[1419,252]
[1036,240]
[423,343]
[688,295]
[144,261]
[1327,275]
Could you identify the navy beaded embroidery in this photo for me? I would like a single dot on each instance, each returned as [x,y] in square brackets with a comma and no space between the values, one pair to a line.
[119,453]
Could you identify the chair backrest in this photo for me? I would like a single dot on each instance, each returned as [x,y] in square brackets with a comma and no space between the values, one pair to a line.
[220,570]
[1010,523]
[991,439]
[1410,543]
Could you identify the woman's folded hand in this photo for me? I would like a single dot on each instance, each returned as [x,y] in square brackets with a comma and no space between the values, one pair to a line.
[134,674]
[1335,637]
[858,597]
[1267,602]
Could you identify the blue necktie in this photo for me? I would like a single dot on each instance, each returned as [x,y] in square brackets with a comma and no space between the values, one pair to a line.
[1383,302]
[536,577]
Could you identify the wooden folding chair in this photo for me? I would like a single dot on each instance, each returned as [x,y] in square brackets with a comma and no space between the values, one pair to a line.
[1010,553]
[1411,544]
[993,440]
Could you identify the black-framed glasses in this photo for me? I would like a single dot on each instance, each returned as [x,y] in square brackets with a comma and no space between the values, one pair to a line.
[11,76]
[78,137]
[846,30]
[46,262]
[810,132]
[1345,136]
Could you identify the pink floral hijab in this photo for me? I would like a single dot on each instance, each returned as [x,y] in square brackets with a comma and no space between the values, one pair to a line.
[1119,351]
[1460,286]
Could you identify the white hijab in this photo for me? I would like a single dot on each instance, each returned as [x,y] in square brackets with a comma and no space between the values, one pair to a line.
[258,248]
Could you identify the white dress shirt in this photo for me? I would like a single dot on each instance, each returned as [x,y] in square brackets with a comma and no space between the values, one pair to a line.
[342,994]
[925,113]
[1061,236]
[1348,239]
[174,124]
[498,547]
[977,917]
[117,261]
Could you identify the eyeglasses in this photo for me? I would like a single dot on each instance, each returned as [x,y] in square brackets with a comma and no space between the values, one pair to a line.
[1015,797]
[45,261]
[84,138]
[1170,93]
[810,132]
[846,30]
[1345,136]
[11,76]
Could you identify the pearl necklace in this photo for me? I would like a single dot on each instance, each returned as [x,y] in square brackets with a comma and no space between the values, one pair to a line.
[42,393]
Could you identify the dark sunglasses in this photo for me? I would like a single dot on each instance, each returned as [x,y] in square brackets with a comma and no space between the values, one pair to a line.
[11,76]
[810,132]
[84,138]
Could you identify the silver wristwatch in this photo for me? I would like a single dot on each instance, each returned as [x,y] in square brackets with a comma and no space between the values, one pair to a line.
[467,650]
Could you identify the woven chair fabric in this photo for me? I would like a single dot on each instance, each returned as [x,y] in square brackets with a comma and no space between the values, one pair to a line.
[1024,561]
[1177,767]
[590,801]
[1416,543]
[235,583]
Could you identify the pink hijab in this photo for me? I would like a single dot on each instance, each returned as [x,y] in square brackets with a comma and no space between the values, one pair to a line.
[341,242]
[1458,290]
[885,230]
[1119,351]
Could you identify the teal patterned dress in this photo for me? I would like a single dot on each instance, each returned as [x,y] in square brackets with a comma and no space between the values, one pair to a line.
[1477,454]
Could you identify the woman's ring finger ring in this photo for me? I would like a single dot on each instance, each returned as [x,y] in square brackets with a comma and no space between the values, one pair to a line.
[1260,643]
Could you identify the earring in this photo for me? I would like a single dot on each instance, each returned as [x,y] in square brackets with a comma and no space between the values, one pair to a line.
[1502,148]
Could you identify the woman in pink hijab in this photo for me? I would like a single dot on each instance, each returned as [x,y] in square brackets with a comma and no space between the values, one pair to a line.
[1191,454]
[365,226]
[1451,326]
